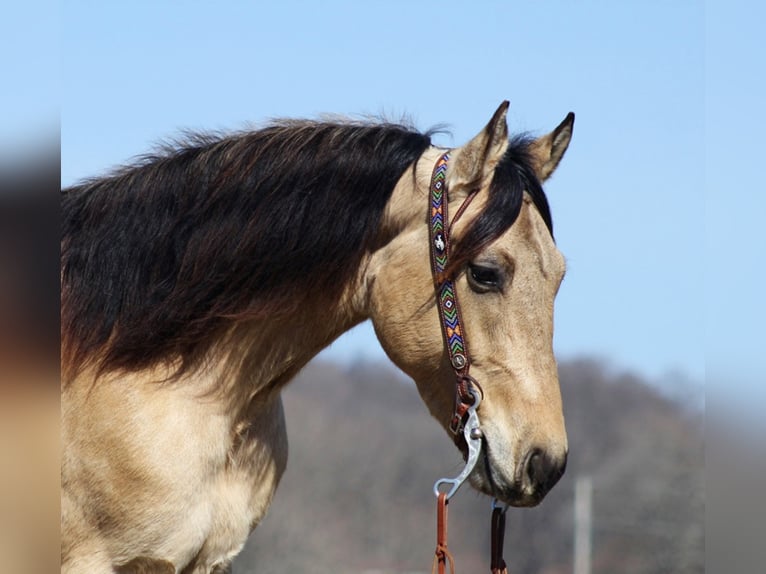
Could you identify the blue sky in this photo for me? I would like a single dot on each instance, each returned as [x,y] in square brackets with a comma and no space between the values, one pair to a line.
[735,203]
[629,200]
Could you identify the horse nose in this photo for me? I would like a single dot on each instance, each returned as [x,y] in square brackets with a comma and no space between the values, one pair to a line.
[541,471]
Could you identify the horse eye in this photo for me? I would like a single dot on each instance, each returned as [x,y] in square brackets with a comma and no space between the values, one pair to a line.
[482,279]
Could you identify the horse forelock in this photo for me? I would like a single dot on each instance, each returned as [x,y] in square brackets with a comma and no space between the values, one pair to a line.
[514,175]
[160,258]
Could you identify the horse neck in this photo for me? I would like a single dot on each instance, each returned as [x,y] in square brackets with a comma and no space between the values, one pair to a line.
[259,357]
[408,205]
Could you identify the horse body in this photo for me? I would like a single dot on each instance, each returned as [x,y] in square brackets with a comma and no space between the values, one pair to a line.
[170,463]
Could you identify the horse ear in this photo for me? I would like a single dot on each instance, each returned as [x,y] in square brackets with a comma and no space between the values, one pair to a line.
[476,160]
[548,150]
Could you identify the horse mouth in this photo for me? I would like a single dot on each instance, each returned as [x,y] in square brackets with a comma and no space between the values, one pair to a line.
[490,481]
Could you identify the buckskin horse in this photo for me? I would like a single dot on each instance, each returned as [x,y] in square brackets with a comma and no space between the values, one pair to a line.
[198,281]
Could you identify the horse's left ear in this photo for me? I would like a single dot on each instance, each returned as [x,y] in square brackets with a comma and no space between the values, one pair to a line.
[475,161]
[548,150]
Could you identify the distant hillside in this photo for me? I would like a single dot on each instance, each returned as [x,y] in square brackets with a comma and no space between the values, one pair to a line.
[364,454]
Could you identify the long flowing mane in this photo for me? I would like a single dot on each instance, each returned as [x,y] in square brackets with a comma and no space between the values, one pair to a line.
[161,257]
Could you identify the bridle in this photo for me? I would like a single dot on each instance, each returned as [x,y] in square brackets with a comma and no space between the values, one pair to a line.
[464,423]
[467,390]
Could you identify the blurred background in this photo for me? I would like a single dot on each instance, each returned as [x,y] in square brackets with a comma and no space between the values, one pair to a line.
[364,452]
[655,207]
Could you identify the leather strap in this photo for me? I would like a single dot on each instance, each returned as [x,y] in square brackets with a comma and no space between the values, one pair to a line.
[442,555]
[497,563]
[446,295]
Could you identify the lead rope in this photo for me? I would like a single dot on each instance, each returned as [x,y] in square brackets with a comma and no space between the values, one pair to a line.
[497,563]
[442,556]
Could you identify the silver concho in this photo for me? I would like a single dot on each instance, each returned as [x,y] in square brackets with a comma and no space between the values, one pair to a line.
[458,361]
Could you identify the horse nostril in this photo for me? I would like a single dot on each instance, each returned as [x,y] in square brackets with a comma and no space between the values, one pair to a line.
[543,471]
[534,468]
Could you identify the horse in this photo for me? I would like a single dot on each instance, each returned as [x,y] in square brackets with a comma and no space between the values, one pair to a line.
[198,280]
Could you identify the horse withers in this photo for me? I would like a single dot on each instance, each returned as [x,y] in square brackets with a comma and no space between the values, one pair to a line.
[197,282]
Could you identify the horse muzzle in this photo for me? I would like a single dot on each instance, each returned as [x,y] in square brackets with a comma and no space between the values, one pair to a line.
[522,484]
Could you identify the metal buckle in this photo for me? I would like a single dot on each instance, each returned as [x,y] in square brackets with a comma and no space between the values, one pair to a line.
[457,424]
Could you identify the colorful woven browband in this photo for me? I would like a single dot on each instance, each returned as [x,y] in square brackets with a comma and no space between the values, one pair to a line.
[449,311]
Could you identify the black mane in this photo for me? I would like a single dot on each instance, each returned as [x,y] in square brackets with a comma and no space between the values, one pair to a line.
[160,258]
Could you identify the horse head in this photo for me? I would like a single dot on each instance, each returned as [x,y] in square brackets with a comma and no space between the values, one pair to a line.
[506,271]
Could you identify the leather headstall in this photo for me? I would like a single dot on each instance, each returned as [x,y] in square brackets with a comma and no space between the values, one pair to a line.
[466,387]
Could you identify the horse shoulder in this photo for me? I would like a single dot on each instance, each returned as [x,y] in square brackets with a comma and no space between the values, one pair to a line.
[158,471]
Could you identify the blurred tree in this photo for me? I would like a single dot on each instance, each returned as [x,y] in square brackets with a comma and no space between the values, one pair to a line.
[364,454]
